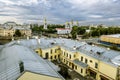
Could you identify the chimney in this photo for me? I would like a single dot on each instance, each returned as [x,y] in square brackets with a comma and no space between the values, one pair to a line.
[21,66]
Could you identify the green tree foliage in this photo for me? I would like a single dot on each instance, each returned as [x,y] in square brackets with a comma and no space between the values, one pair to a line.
[36,28]
[80,30]
[54,26]
[17,33]
[104,31]
[86,35]
[77,31]
[74,32]
[64,72]
[51,28]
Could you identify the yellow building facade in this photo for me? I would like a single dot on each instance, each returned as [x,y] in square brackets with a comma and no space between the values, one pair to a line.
[85,65]
[115,39]
[34,76]
[11,32]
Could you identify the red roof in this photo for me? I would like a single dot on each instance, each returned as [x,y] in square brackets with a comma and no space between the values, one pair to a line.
[63,29]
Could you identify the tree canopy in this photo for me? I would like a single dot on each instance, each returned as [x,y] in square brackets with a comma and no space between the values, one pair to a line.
[17,33]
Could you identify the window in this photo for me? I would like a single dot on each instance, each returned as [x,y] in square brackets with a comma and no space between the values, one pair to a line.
[81,58]
[59,56]
[64,60]
[51,51]
[96,65]
[37,52]
[74,56]
[86,71]
[67,54]
[55,56]
[46,55]
[51,57]
[69,63]
[81,70]
[91,61]
[86,61]
[76,67]
[70,56]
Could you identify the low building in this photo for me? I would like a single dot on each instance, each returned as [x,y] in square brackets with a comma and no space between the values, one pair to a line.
[9,28]
[110,39]
[87,60]
[63,30]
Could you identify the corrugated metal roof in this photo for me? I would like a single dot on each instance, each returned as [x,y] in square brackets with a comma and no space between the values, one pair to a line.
[13,53]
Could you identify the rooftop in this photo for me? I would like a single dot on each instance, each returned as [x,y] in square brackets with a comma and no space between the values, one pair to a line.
[114,35]
[94,51]
[10,56]
[76,61]
[22,50]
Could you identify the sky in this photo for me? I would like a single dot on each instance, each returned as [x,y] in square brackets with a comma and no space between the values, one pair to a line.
[60,11]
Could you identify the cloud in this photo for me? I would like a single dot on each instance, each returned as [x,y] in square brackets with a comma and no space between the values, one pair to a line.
[95,16]
[60,11]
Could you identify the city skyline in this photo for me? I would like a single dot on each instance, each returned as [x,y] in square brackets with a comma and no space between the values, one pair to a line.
[59,11]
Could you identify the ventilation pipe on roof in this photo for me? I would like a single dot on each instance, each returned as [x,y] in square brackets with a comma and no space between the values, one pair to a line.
[38,41]
[74,47]
[12,38]
[93,45]
[21,66]
[18,42]
[27,37]
[108,48]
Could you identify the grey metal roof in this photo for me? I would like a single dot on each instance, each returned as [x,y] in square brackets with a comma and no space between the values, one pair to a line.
[76,61]
[114,35]
[13,53]
[96,52]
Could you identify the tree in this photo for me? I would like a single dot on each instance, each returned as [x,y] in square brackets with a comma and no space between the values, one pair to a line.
[17,33]
[80,30]
[74,32]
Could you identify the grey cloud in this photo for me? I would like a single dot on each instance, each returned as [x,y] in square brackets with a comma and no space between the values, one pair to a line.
[60,11]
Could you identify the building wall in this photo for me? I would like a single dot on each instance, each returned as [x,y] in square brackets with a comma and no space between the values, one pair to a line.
[26,32]
[7,32]
[67,57]
[110,39]
[81,70]
[88,60]
[102,68]
[53,53]
[11,32]
[35,76]
[108,70]
[63,31]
